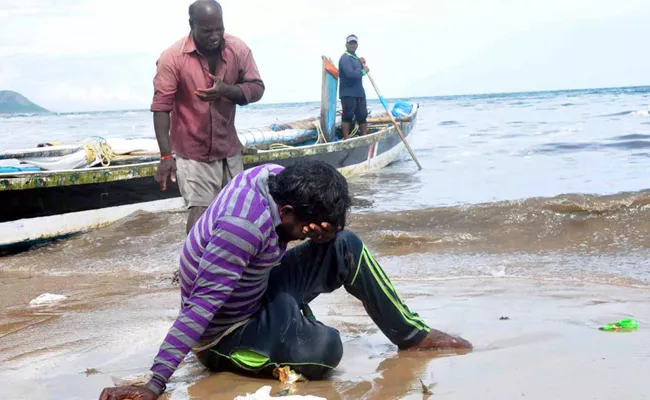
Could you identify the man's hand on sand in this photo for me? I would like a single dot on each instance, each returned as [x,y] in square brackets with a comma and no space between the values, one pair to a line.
[127,393]
[437,340]
[320,234]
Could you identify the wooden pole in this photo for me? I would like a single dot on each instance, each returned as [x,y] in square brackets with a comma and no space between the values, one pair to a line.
[392,118]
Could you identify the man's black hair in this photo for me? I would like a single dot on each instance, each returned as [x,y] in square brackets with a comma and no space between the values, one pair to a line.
[316,191]
[193,7]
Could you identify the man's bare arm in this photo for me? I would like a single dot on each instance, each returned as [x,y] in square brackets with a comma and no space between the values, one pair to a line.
[161,123]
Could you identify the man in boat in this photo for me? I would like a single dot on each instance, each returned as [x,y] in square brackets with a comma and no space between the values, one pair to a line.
[245,297]
[351,92]
[199,81]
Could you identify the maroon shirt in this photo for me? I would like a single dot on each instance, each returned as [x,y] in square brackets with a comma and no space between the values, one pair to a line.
[204,131]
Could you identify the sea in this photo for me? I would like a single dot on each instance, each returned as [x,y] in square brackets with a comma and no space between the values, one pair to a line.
[548,187]
[559,177]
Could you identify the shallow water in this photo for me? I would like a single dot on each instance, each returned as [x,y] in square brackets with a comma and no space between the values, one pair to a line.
[536,206]
[548,347]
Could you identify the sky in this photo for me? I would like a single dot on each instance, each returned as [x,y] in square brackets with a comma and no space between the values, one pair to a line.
[90,55]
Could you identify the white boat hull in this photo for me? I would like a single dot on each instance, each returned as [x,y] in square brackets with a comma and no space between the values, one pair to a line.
[42,229]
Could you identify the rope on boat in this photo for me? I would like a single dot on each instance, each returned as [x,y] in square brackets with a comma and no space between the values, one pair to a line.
[355,130]
[104,153]
[321,136]
[278,146]
[321,139]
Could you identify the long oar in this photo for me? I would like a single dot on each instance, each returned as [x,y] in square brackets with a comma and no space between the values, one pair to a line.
[392,118]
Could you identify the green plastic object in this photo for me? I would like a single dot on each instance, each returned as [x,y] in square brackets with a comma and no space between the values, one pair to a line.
[627,324]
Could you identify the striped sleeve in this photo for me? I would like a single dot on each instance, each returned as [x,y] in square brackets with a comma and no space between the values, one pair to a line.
[234,242]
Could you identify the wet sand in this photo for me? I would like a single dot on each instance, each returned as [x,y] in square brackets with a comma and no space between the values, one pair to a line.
[548,348]
[555,291]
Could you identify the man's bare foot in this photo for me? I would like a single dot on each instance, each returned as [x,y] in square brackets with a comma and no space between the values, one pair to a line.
[436,340]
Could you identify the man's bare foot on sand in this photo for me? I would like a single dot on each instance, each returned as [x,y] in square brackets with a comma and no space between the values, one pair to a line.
[436,340]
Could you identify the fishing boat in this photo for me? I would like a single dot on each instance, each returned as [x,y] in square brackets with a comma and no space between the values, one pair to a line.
[56,190]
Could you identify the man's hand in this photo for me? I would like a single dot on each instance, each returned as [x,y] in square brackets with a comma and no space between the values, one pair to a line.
[320,234]
[127,393]
[437,340]
[363,65]
[216,91]
[166,169]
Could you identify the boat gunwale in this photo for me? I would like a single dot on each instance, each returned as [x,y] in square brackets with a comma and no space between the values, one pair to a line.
[70,177]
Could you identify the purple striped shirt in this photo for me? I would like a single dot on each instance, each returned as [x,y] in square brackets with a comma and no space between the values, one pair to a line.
[224,267]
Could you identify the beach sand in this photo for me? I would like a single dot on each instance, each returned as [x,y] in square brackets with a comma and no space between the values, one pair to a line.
[549,347]
[557,276]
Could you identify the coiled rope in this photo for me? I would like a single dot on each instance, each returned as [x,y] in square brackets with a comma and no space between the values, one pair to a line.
[105,153]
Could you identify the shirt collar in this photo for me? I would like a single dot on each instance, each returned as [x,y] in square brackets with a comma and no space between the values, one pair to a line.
[190,46]
[263,187]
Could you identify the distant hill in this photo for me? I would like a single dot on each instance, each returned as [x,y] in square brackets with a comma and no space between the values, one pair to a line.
[13,102]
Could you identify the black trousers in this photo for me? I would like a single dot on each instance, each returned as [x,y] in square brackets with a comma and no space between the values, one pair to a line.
[354,108]
[284,331]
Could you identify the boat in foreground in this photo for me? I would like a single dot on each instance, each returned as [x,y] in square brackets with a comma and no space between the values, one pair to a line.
[53,191]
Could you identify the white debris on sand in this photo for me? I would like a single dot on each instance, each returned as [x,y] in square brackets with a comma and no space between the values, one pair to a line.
[139,379]
[264,393]
[47,298]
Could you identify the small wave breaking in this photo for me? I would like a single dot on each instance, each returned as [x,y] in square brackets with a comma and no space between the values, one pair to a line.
[570,236]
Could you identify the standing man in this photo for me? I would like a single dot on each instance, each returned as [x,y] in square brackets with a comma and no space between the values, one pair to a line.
[353,96]
[245,296]
[199,82]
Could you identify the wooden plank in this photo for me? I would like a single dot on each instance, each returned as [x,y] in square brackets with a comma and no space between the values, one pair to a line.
[328,98]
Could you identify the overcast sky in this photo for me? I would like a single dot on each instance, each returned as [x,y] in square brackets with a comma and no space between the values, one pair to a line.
[80,55]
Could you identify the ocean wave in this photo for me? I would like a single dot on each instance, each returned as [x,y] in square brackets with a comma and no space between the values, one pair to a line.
[570,223]
[641,113]
[572,236]
[637,113]
[562,147]
[634,142]
[629,144]
[633,136]
[604,279]
[23,116]
[539,266]
[141,244]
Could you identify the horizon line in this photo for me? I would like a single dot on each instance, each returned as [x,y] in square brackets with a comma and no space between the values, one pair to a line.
[443,96]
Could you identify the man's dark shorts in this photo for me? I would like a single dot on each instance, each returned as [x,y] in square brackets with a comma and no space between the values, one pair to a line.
[354,108]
